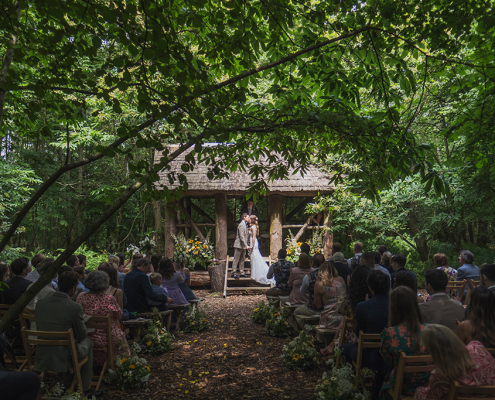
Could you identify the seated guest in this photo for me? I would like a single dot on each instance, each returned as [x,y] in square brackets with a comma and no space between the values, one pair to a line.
[340,264]
[328,290]
[58,313]
[170,281]
[114,287]
[467,270]
[137,288]
[184,286]
[470,365]
[387,262]
[120,270]
[281,272]
[155,259]
[98,303]
[382,249]
[487,279]
[18,284]
[19,385]
[372,317]
[156,285]
[480,322]
[336,248]
[356,260]
[371,260]
[33,276]
[62,269]
[403,334]
[47,291]
[81,272]
[309,280]
[357,290]
[73,261]
[398,265]
[404,278]
[442,263]
[440,309]
[296,278]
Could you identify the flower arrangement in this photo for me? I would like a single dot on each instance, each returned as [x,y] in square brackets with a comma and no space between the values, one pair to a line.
[146,244]
[131,250]
[132,372]
[189,252]
[58,391]
[156,340]
[195,319]
[278,325]
[263,312]
[294,248]
[339,383]
[300,354]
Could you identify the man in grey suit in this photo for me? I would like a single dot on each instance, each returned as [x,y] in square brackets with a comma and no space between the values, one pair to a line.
[58,313]
[440,309]
[241,244]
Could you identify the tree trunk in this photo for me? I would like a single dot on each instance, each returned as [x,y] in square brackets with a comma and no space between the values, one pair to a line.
[221,246]
[217,277]
[328,236]
[421,243]
[158,228]
[276,235]
[170,229]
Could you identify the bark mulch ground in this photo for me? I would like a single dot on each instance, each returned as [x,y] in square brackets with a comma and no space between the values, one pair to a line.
[234,359]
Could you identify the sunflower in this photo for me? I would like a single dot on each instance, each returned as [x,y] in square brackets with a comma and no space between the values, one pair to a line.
[298,244]
[132,366]
[123,360]
[205,246]
[276,314]
[295,357]
[148,344]
[288,251]
[196,243]
[191,241]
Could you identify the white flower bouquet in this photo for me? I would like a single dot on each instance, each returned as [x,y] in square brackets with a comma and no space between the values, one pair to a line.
[146,244]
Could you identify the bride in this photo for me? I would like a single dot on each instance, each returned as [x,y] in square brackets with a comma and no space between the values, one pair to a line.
[259,268]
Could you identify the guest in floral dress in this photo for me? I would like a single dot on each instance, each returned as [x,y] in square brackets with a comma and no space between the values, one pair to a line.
[470,365]
[357,291]
[403,334]
[171,280]
[442,263]
[98,303]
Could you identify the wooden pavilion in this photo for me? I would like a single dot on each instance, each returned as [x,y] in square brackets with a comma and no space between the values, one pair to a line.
[225,221]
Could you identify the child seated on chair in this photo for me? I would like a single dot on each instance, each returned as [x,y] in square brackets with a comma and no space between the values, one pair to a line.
[156,286]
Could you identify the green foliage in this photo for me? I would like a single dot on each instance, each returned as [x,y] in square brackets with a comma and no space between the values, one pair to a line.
[156,339]
[132,372]
[339,383]
[57,391]
[9,254]
[195,319]
[263,312]
[278,325]
[300,354]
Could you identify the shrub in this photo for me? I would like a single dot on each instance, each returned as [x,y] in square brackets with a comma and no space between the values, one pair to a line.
[300,354]
[195,319]
[263,312]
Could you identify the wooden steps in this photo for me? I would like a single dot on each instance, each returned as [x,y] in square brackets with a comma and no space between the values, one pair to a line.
[243,281]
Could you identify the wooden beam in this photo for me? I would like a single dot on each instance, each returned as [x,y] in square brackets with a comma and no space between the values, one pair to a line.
[297,208]
[170,228]
[300,226]
[191,222]
[198,225]
[221,216]
[304,227]
[276,215]
[201,212]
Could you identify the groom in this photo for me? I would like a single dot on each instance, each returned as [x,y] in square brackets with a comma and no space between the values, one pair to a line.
[241,244]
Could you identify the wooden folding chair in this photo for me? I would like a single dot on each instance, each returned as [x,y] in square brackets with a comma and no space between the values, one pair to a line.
[459,286]
[4,308]
[491,351]
[404,367]
[104,323]
[461,392]
[348,324]
[26,315]
[366,341]
[44,338]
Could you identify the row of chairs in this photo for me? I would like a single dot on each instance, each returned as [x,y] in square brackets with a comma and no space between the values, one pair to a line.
[408,365]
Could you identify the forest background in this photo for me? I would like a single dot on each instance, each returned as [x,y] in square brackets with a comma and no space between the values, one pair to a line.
[394,99]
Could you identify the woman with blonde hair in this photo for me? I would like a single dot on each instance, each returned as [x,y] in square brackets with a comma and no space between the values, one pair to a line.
[470,365]
[259,268]
[296,277]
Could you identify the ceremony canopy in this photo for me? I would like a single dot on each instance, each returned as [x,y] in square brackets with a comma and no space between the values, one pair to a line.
[314,182]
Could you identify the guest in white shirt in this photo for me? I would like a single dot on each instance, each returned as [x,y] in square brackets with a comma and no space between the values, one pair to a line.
[34,275]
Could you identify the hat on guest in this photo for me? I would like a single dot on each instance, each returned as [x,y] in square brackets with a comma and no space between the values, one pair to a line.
[338,256]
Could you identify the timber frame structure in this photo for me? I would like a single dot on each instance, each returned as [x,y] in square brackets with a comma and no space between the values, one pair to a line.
[306,187]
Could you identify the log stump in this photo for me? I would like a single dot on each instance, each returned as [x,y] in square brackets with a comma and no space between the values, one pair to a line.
[216,273]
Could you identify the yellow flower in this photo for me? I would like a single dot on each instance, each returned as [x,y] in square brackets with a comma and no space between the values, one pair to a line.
[123,360]
[196,242]
[204,319]
[205,246]
[256,309]
[288,251]
[148,344]
[132,366]
[225,345]
[195,253]
[148,368]
[310,343]
[306,242]
[295,357]
[191,241]
[276,314]
[298,244]
[161,332]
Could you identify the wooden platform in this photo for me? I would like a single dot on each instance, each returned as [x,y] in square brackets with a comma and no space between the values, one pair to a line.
[230,283]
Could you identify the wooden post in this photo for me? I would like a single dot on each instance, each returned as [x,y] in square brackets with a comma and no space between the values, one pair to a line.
[276,215]
[221,227]
[158,227]
[190,221]
[327,237]
[187,207]
[170,222]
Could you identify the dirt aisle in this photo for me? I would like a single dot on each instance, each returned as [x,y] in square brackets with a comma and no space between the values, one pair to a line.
[235,359]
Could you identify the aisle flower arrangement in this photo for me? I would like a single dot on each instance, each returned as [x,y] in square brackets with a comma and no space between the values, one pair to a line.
[278,325]
[146,244]
[132,372]
[58,391]
[339,383]
[263,312]
[294,248]
[300,354]
[189,252]
[156,340]
[195,319]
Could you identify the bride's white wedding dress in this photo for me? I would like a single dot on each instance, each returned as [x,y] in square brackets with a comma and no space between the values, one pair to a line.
[259,268]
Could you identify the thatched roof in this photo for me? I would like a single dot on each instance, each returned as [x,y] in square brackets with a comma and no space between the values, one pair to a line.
[313,182]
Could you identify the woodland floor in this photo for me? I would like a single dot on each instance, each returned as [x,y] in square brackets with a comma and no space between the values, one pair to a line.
[236,358]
